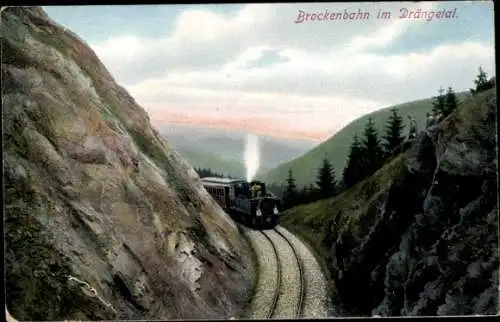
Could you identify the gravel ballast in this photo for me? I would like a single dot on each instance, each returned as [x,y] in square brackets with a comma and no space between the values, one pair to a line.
[268,277]
[316,295]
[290,288]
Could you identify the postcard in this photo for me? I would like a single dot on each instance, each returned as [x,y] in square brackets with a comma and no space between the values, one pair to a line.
[250,161]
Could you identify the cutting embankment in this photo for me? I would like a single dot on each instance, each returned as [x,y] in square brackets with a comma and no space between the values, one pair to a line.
[420,236]
[103,220]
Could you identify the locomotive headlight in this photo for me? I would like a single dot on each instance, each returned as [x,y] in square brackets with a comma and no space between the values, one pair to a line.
[259,213]
[275,210]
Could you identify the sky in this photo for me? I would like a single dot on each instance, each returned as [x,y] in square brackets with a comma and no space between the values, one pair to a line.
[263,68]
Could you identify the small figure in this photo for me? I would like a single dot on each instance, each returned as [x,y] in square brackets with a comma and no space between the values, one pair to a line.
[439,117]
[430,121]
[413,128]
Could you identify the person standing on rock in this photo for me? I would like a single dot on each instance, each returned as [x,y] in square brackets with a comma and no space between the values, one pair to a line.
[439,117]
[430,120]
[413,128]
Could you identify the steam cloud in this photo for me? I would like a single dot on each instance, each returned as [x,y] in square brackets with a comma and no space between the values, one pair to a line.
[252,156]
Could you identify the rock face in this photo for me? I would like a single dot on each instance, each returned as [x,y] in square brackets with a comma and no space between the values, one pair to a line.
[88,234]
[432,243]
[420,237]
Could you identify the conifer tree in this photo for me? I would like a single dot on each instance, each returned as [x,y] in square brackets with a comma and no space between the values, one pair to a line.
[438,105]
[482,83]
[393,132]
[372,148]
[352,172]
[451,102]
[312,193]
[290,193]
[303,195]
[326,179]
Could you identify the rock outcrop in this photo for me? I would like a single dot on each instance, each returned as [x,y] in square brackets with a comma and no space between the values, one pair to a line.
[419,237]
[89,233]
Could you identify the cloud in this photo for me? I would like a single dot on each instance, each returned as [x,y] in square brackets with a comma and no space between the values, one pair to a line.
[387,34]
[268,58]
[317,75]
[395,77]
[205,40]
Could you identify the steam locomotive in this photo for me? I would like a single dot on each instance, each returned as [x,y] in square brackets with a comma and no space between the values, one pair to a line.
[246,202]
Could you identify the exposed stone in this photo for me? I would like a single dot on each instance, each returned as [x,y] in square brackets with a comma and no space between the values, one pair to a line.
[88,237]
[420,236]
[444,222]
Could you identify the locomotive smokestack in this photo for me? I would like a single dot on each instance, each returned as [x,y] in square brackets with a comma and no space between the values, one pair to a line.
[252,156]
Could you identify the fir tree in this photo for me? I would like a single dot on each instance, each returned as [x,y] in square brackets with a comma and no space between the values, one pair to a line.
[313,193]
[393,132]
[482,83]
[352,172]
[303,195]
[290,193]
[326,179]
[372,148]
[438,105]
[451,102]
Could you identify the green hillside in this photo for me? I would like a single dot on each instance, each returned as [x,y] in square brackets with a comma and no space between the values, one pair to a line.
[337,147]
[355,239]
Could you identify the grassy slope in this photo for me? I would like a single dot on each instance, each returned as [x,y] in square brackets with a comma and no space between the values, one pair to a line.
[337,147]
[310,222]
[345,211]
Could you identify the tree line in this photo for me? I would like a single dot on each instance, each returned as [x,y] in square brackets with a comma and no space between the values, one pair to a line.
[206,172]
[370,151]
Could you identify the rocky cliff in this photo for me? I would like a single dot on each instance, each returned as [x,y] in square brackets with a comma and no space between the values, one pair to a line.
[419,237]
[88,234]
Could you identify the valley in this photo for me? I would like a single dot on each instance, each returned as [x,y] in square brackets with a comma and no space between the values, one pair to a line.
[222,151]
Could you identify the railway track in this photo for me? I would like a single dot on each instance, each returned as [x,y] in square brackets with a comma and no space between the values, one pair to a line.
[276,293]
[290,282]
[288,298]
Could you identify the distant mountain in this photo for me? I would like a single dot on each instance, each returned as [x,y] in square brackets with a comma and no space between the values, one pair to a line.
[223,150]
[305,167]
[214,162]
